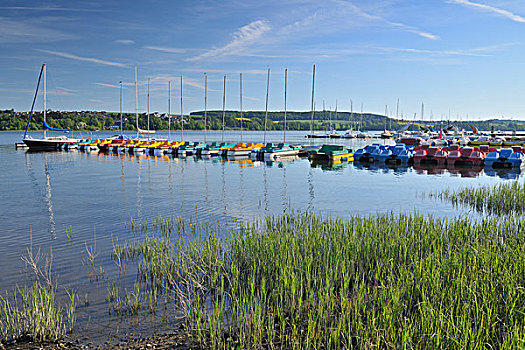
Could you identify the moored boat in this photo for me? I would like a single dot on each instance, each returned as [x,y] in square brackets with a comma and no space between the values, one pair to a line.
[365,154]
[505,158]
[273,151]
[243,149]
[332,153]
[46,143]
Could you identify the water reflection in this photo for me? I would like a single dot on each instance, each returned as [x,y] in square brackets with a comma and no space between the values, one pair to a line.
[48,195]
[510,174]
[329,165]
[228,190]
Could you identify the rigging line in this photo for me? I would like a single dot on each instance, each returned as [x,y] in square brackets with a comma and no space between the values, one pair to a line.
[53,81]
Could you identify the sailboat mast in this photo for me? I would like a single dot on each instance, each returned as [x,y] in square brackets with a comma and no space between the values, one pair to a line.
[312,117]
[34,100]
[335,128]
[136,103]
[266,109]
[361,121]
[386,114]
[169,110]
[120,109]
[148,111]
[285,90]
[351,112]
[181,111]
[205,104]
[240,95]
[223,106]
[45,122]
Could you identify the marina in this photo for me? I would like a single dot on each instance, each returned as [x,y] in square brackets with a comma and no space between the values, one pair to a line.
[253,175]
[56,190]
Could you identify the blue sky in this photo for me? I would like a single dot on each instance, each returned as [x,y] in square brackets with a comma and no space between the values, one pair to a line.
[462,56]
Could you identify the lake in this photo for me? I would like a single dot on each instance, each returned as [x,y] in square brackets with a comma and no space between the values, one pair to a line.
[71,205]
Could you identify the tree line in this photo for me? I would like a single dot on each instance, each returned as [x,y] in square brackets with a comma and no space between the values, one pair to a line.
[251,120]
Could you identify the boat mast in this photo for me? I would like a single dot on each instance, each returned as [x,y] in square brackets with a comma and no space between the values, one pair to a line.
[266,110]
[386,114]
[240,95]
[361,121]
[148,111]
[34,100]
[181,111]
[45,123]
[205,104]
[351,112]
[223,106]
[121,110]
[335,118]
[312,117]
[136,103]
[285,89]
[169,110]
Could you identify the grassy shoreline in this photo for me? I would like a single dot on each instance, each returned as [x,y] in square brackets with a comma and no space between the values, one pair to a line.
[301,281]
[388,281]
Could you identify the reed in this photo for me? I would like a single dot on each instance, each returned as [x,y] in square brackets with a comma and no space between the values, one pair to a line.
[33,314]
[388,281]
[501,199]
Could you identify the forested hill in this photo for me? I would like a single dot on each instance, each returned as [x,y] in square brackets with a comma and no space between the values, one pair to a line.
[251,120]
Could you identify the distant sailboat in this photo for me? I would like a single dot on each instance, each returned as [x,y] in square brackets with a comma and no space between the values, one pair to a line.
[313,134]
[46,143]
[142,131]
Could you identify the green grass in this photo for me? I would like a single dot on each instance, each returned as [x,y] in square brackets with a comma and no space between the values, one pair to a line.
[33,314]
[300,281]
[501,199]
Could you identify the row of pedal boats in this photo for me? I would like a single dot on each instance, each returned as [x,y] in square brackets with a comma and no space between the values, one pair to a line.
[188,148]
[452,155]
[398,154]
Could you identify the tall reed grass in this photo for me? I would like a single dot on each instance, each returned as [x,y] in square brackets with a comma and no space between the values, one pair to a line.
[304,282]
[501,199]
[34,314]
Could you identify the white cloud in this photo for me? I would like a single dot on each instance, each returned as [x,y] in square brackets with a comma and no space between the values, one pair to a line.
[125,41]
[27,31]
[505,13]
[48,8]
[84,59]
[242,39]
[166,49]
[108,85]
[358,11]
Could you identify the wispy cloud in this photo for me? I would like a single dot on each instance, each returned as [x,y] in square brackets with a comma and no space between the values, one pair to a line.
[483,7]
[166,49]
[84,59]
[48,8]
[242,39]
[175,82]
[27,31]
[125,41]
[434,52]
[108,85]
[372,17]
[474,52]
[399,25]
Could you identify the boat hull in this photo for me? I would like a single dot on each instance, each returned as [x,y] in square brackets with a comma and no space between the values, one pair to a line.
[44,144]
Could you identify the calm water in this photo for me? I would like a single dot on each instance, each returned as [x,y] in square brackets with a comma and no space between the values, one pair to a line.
[95,195]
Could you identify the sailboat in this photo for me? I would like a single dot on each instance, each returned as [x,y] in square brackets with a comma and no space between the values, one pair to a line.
[274,151]
[215,148]
[387,134]
[46,143]
[350,133]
